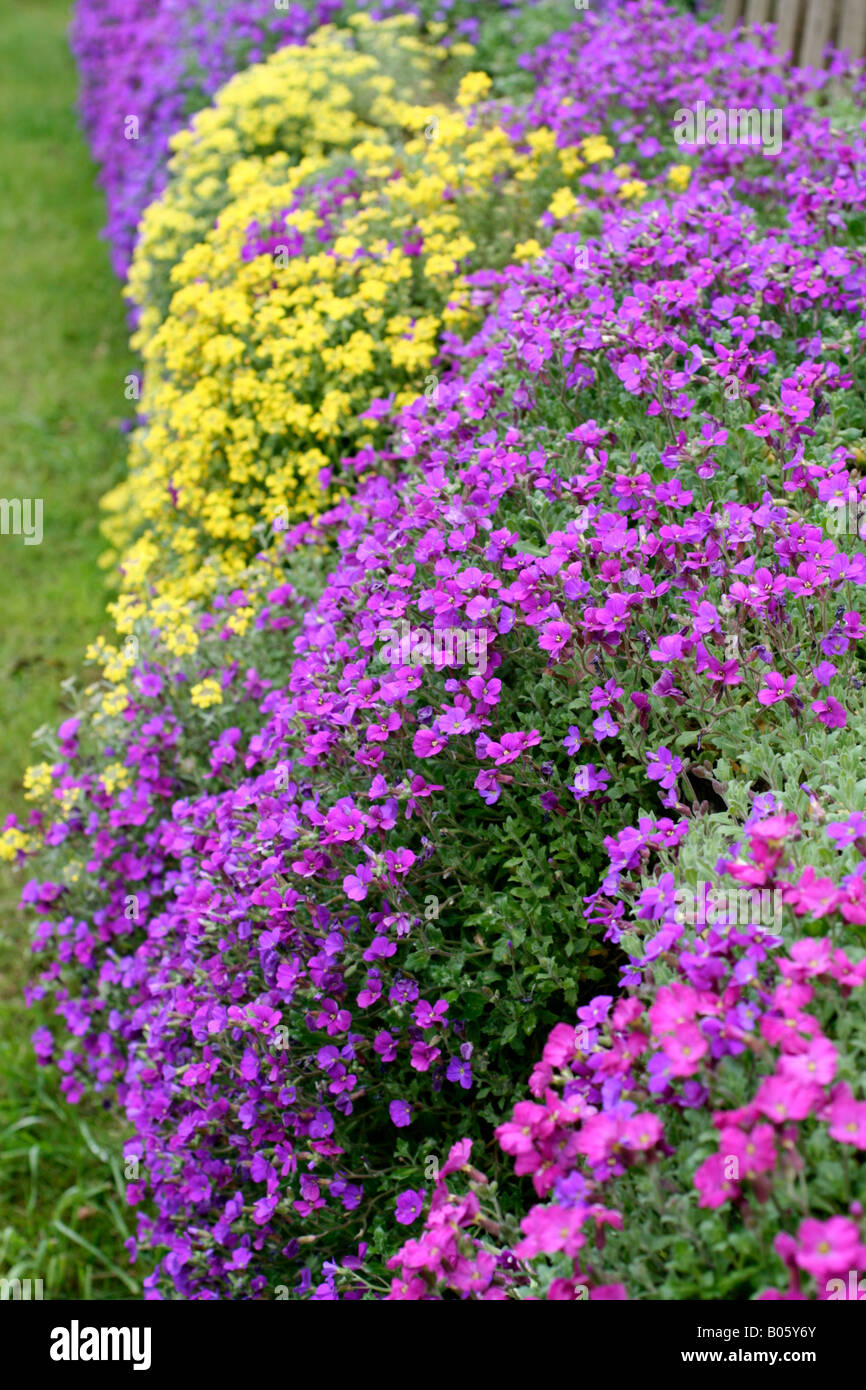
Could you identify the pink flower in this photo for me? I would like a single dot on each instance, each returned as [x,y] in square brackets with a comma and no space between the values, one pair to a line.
[562,1043]
[777,829]
[487,786]
[848,1121]
[827,1248]
[796,404]
[754,1151]
[430,1015]
[411,1289]
[710,1180]
[554,637]
[531,1122]
[765,423]
[642,1132]
[685,1048]
[423,1055]
[816,1065]
[809,957]
[673,1005]
[355,885]
[785,1097]
[457,1158]
[789,1295]
[563,1291]
[777,688]
[510,746]
[598,1138]
[830,712]
[427,743]
[550,1229]
[817,896]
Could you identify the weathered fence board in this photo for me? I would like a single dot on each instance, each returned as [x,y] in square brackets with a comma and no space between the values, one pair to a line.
[852,28]
[757,11]
[805,27]
[788,14]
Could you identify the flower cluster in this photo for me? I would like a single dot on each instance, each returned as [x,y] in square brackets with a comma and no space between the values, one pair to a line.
[312,891]
[727,1026]
[324,283]
[146,65]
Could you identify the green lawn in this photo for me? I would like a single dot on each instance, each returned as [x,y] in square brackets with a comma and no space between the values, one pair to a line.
[63,359]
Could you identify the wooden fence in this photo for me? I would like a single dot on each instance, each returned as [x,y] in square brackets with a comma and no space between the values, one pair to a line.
[805,27]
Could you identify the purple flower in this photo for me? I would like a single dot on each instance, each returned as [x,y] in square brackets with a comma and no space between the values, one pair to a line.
[824,672]
[487,786]
[830,712]
[663,767]
[460,1069]
[571,742]
[355,885]
[604,726]
[588,779]
[845,832]
[596,1012]
[777,688]
[400,1113]
[322,1124]
[554,637]
[410,1205]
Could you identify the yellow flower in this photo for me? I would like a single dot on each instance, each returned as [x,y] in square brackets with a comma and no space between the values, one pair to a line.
[563,203]
[679,175]
[633,188]
[37,781]
[114,775]
[473,88]
[206,693]
[570,161]
[595,148]
[13,840]
[258,367]
[116,701]
[527,250]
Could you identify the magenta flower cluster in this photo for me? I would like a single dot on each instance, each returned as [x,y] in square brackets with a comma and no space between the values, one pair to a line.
[609,1095]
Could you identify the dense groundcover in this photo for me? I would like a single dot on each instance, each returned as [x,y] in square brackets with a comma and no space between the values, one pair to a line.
[455,874]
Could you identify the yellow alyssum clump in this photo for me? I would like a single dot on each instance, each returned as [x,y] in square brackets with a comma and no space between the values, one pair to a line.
[474,87]
[206,693]
[563,204]
[632,189]
[12,841]
[679,176]
[37,780]
[286,317]
[305,101]
[595,148]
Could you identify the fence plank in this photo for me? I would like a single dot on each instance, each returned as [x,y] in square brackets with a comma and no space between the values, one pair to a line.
[757,11]
[819,22]
[788,13]
[852,28]
[804,28]
[733,13]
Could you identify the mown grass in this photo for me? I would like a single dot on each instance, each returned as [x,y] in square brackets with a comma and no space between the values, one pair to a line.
[63,359]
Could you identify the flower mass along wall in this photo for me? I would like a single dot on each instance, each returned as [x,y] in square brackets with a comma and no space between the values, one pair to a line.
[487,597]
